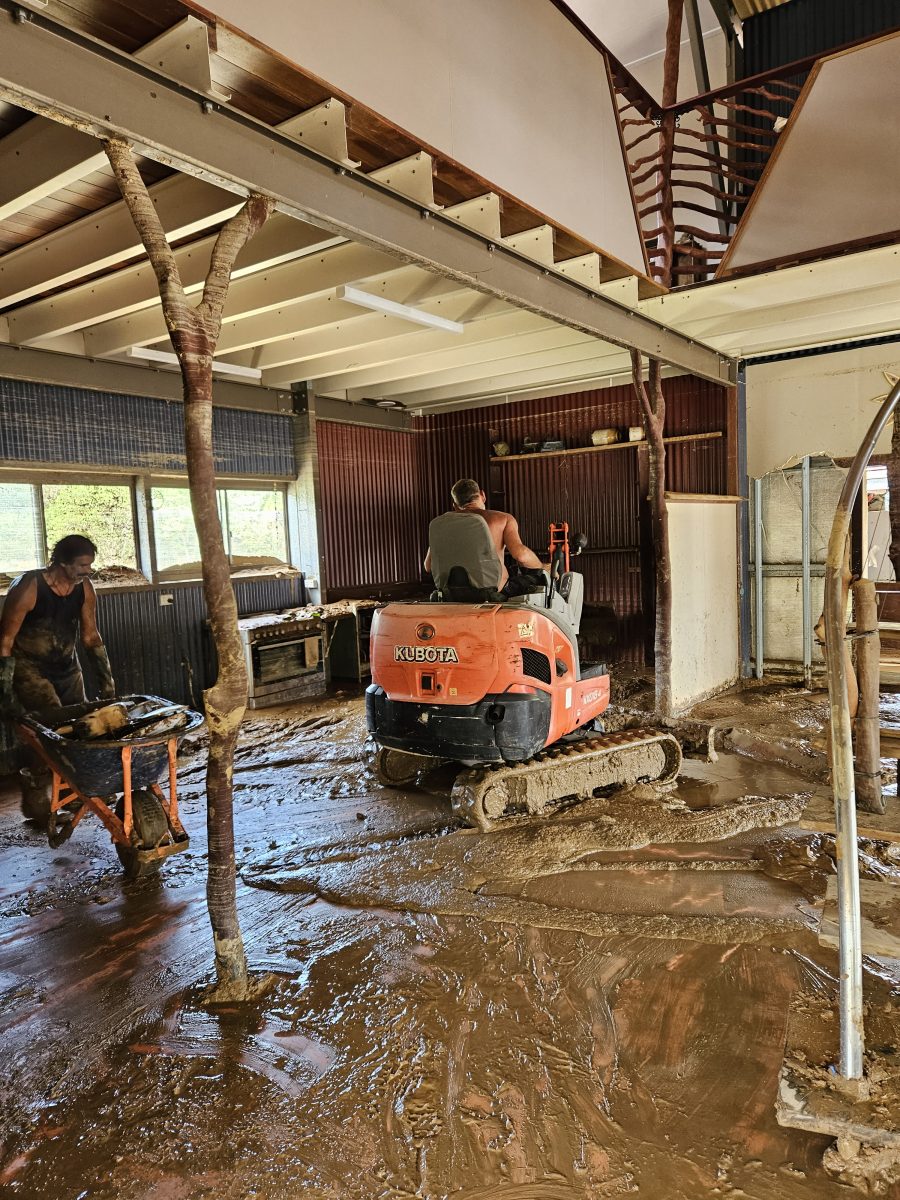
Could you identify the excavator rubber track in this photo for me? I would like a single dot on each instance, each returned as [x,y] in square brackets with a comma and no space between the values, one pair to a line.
[482,796]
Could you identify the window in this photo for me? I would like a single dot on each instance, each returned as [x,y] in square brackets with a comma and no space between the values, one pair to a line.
[253,527]
[20,528]
[34,516]
[173,528]
[255,523]
[101,512]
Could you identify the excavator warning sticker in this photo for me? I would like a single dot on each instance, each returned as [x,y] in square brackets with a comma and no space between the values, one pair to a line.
[526,631]
[425,654]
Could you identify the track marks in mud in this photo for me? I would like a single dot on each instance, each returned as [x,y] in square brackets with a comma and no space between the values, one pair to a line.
[452,875]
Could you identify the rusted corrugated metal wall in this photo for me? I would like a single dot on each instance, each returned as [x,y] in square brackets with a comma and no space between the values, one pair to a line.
[380,488]
[596,493]
[372,528]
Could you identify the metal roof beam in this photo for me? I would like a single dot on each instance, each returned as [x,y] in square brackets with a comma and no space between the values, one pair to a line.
[43,66]
[559,369]
[412,353]
[517,333]
[357,339]
[295,311]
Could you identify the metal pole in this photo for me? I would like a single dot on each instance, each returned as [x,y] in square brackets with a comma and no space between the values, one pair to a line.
[744,543]
[804,538]
[850,938]
[758,574]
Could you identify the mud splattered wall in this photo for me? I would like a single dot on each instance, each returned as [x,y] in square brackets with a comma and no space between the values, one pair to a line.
[372,532]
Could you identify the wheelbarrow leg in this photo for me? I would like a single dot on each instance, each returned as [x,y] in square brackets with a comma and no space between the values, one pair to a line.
[170,806]
[128,814]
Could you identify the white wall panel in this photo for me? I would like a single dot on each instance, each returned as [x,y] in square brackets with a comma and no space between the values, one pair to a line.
[821,405]
[705,649]
[508,88]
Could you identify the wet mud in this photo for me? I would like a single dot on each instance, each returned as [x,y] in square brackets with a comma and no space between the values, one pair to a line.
[588,1007]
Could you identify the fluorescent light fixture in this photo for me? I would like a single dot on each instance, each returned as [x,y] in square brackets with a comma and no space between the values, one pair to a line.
[379,304]
[169,360]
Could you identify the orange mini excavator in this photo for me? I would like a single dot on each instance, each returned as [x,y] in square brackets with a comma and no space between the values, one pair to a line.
[496,684]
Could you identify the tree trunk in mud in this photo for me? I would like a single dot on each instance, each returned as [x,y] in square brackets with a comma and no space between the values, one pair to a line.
[653,408]
[194,332]
[867,724]
[893,475]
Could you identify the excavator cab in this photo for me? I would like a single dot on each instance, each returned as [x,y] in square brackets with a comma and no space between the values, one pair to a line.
[491,682]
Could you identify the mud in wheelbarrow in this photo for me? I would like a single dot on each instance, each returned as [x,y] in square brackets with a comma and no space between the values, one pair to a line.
[118,779]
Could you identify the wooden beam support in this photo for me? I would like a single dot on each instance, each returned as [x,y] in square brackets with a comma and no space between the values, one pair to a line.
[40,158]
[43,65]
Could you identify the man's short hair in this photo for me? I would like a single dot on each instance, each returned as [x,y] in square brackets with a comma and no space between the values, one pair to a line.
[464,491]
[73,546]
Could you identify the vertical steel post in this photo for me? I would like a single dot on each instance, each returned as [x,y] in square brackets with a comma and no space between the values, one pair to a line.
[804,551]
[843,784]
[758,576]
[743,490]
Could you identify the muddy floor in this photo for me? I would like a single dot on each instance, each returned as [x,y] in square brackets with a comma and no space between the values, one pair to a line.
[594,1006]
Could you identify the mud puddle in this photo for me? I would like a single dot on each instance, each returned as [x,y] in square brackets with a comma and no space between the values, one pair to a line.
[612,1024]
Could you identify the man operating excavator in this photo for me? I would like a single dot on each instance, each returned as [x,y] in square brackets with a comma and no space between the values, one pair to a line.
[468,497]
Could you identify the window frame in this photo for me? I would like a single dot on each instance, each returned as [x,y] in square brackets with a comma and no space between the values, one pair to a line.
[140,486]
[280,487]
[37,478]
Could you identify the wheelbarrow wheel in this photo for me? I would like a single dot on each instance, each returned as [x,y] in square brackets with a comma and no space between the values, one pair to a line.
[151,827]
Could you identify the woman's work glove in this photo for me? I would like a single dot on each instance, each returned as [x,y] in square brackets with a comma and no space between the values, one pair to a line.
[9,701]
[104,672]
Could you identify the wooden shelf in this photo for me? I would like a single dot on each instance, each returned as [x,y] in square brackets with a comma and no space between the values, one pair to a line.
[687,437]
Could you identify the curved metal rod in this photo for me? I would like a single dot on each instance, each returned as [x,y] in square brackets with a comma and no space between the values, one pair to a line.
[842,781]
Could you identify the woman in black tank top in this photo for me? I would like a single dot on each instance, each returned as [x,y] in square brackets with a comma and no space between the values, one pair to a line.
[45,613]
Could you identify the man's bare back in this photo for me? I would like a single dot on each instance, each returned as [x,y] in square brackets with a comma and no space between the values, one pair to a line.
[504,529]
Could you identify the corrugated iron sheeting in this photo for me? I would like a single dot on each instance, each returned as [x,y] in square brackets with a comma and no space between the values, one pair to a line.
[805,27]
[373,531]
[598,494]
[380,488]
[49,424]
[161,649]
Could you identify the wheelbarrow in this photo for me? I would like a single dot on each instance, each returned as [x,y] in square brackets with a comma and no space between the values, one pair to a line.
[118,780]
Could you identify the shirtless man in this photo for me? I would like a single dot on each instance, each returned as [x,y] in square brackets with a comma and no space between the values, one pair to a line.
[504,529]
[45,613]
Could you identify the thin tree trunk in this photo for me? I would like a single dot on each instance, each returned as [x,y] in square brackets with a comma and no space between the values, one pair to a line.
[653,408]
[893,474]
[194,331]
[867,724]
[671,63]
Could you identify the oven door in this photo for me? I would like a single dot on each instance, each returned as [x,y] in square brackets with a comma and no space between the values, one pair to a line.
[280,662]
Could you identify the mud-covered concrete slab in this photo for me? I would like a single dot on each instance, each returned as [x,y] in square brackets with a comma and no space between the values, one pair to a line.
[589,1007]
[818,814]
[879,917]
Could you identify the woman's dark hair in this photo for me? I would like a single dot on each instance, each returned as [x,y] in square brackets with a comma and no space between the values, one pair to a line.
[75,545]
